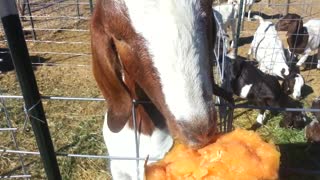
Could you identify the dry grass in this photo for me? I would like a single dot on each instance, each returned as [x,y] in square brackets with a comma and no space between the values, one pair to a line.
[312,88]
[76,126]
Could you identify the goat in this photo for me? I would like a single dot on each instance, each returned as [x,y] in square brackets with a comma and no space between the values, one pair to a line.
[158,51]
[293,83]
[225,15]
[267,49]
[302,38]
[312,130]
[246,3]
[262,90]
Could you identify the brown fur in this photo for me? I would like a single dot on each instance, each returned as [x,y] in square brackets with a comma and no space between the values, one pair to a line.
[118,50]
[297,35]
[312,132]
[107,72]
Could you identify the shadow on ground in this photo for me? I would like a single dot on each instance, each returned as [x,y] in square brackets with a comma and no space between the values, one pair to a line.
[6,64]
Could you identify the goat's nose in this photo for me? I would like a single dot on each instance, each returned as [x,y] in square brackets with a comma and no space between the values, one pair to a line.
[197,136]
[201,140]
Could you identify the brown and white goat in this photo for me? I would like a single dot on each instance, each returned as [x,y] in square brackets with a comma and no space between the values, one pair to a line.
[302,38]
[158,51]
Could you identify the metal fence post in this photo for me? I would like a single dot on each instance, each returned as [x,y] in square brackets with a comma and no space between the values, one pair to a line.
[239,26]
[287,7]
[78,8]
[91,6]
[31,20]
[20,56]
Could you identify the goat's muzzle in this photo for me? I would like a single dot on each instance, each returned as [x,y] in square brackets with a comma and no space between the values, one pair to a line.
[197,134]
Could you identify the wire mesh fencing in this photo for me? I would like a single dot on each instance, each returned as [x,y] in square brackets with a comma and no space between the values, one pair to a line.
[58,40]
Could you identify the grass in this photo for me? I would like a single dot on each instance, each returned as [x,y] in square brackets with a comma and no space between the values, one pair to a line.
[76,126]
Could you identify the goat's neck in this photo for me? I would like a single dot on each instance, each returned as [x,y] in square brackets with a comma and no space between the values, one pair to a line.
[287,102]
[298,40]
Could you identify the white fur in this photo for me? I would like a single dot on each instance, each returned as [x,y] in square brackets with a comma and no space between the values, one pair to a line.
[313,28]
[313,122]
[179,50]
[226,15]
[268,50]
[299,82]
[246,3]
[261,118]
[123,144]
[245,90]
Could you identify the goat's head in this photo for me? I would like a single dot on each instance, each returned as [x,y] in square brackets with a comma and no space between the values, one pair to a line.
[165,48]
[290,23]
[312,131]
[293,120]
[293,83]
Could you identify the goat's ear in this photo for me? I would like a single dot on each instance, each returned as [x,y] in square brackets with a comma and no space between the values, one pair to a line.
[285,86]
[236,68]
[107,71]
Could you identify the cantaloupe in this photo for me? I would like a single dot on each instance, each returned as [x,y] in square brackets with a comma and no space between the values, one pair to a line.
[238,155]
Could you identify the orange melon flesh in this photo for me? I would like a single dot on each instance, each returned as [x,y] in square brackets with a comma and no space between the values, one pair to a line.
[240,155]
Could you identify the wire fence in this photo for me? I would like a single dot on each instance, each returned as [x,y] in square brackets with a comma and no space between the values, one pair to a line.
[58,39]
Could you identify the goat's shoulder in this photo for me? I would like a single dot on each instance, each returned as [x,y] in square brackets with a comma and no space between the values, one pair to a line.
[313,30]
[313,27]
[312,23]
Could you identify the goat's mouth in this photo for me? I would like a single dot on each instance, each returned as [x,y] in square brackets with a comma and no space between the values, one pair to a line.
[195,137]
[297,97]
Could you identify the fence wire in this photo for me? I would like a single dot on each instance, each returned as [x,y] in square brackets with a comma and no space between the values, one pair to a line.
[57,35]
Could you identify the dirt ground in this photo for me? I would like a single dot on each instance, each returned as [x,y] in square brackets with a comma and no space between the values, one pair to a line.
[75,126]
